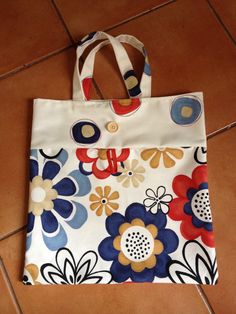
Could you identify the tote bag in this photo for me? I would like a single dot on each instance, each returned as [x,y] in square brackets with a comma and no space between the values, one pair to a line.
[118,188]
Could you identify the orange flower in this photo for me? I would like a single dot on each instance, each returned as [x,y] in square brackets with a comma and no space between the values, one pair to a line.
[131,173]
[168,155]
[31,273]
[102,200]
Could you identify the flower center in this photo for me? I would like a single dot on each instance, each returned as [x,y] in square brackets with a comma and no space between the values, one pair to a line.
[87,131]
[103,200]
[102,154]
[201,205]
[186,111]
[125,102]
[38,194]
[137,243]
[130,173]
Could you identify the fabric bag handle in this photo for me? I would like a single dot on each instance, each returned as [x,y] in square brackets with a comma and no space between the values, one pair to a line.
[82,84]
[145,83]
[81,88]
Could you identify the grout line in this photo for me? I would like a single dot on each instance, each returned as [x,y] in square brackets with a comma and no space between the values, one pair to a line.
[221,130]
[124,22]
[138,15]
[97,89]
[74,44]
[9,234]
[9,286]
[204,299]
[62,21]
[36,61]
[221,22]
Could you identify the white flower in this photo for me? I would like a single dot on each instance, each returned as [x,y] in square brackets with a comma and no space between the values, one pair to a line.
[158,200]
[131,173]
[67,271]
[198,266]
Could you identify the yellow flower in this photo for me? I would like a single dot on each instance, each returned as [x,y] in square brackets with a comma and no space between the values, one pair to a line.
[31,274]
[131,173]
[168,154]
[102,200]
[137,245]
[41,195]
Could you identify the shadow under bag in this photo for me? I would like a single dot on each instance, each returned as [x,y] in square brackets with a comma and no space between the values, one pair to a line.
[118,188]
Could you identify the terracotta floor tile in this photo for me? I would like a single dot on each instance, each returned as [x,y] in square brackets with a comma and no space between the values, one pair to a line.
[119,299]
[185,55]
[6,303]
[84,17]
[222,169]
[49,79]
[25,35]
[227,12]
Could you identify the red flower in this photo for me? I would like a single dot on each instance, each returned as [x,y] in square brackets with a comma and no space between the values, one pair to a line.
[87,84]
[103,162]
[195,221]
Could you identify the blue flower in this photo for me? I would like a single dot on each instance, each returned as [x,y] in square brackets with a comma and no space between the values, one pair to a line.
[139,244]
[53,198]
[199,207]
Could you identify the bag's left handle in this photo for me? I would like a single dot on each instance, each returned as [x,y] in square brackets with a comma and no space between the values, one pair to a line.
[145,82]
[123,61]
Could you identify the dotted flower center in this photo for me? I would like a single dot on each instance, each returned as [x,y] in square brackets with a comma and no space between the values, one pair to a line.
[201,205]
[38,194]
[137,244]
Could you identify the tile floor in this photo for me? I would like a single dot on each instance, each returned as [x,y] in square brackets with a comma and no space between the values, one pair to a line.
[191,46]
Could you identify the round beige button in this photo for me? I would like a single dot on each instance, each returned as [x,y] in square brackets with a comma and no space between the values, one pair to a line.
[112,127]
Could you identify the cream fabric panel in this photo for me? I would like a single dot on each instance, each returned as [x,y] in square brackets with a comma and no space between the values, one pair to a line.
[151,125]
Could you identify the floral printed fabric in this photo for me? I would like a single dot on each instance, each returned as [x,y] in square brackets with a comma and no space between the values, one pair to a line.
[67,271]
[104,200]
[192,206]
[138,245]
[98,161]
[54,203]
[169,156]
[119,215]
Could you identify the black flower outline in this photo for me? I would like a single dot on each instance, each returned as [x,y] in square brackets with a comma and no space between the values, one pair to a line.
[52,156]
[67,271]
[200,154]
[158,200]
[26,280]
[198,268]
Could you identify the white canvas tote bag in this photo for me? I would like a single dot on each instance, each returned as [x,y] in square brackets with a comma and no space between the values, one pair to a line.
[118,188]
